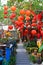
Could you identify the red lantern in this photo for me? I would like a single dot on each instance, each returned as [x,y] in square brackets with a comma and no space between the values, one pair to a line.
[38,35]
[26,31]
[13,14]
[21,18]
[42,32]
[21,23]
[27,18]
[22,26]
[28,12]
[33,24]
[17,23]
[35,17]
[5,16]
[5,7]
[22,12]
[33,21]
[13,8]
[5,12]
[39,16]
[33,32]
[10,27]
[39,27]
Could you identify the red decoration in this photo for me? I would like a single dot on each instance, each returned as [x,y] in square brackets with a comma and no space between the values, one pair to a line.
[35,17]
[22,26]
[33,32]
[5,12]
[27,23]
[13,8]
[39,16]
[21,23]
[11,17]
[42,32]
[28,12]
[5,7]
[38,35]
[27,18]
[21,18]
[5,16]
[33,21]
[22,12]
[33,24]
[10,27]
[38,27]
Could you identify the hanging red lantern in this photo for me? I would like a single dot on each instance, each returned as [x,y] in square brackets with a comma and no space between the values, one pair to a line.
[39,27]
[11,17]
[38,35]
[13,14]
[27,18]
[42,32]
[22,11]
[39,16]
[33,21]
[28,12]
[26,31]
[10,27]
[5,16]
[33,32]
[21,18]
[35,17]
[21,23]
[5,12]
[33,24]
[22,26]
[5,7]
[13,8]
[17,23]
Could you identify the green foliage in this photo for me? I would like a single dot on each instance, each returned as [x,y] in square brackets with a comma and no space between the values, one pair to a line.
[1,14]
[3,40]
[12,60]
[32,58]
[32,44]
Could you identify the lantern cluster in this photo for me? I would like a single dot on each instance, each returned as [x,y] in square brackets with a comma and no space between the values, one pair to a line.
[27,25]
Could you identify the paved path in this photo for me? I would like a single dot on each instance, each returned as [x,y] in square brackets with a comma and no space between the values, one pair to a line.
[22,56]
